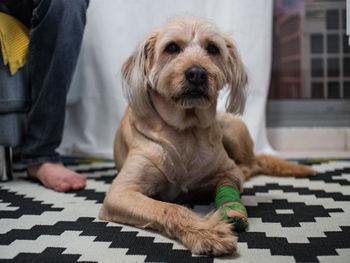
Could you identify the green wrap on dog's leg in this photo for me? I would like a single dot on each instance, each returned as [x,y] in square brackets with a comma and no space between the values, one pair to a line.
[228,200]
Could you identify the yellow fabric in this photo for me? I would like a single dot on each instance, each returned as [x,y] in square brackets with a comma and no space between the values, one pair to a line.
[14,38]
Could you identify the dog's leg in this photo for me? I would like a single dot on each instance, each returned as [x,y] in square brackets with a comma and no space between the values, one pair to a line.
[227,198]
[275,166]
[228,201]
[127,202]
[239,147]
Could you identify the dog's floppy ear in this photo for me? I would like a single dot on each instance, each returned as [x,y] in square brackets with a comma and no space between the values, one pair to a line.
[135,74]
[236,78]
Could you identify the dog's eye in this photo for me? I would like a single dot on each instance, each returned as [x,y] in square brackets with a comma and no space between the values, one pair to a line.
[212,49]
[172,48]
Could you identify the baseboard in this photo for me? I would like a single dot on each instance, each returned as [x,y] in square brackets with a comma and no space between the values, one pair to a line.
[309,139]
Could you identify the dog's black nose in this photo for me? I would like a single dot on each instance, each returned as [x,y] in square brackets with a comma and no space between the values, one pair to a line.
[196,75]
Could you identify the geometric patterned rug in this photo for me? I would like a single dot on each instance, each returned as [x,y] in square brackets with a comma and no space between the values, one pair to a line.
[290,220]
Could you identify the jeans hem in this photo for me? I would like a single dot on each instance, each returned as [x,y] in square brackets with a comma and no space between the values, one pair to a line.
[41,160]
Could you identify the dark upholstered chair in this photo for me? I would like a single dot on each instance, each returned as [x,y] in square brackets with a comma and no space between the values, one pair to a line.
[14,102]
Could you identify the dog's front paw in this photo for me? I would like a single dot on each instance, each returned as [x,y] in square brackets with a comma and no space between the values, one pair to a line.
[212,236]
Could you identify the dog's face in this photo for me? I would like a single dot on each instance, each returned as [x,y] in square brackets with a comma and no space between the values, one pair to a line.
[186,62]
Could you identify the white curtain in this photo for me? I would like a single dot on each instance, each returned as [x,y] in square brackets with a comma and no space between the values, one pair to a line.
[113,30]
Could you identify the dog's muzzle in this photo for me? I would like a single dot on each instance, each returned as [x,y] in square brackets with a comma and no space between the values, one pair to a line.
[197,76]
[195,85]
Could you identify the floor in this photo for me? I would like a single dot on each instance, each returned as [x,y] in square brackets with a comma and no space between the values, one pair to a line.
[290,220]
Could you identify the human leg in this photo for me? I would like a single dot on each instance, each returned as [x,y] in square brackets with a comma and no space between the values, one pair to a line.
[57,177]
[55,38]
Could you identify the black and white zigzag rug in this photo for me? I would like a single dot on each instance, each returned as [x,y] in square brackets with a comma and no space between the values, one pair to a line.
[290,220]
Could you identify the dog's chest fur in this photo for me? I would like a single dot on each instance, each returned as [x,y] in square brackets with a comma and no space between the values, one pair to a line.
[189,158]
[197,149]
[201,152]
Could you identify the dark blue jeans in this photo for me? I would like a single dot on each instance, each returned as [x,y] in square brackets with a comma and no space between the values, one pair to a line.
[56,32]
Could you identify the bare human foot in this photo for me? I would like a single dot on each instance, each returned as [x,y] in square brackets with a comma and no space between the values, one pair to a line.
[57,177]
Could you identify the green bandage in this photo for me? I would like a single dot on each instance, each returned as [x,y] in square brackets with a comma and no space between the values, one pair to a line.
[228,200]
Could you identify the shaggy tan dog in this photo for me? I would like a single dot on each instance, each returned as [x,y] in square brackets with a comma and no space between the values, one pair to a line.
[172,142]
